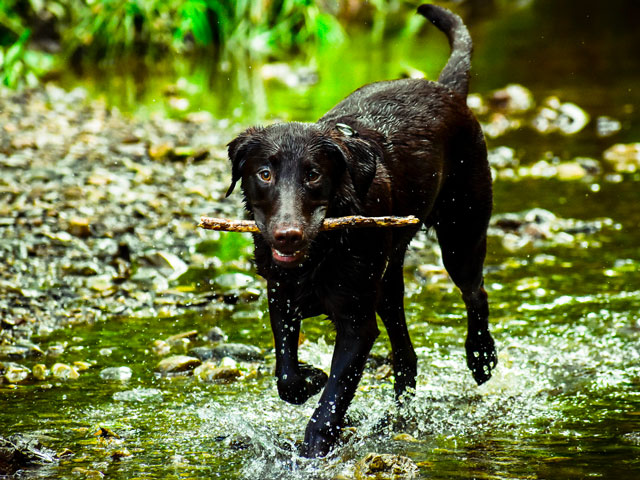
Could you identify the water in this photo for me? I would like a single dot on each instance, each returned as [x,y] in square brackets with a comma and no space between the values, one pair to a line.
[565,399]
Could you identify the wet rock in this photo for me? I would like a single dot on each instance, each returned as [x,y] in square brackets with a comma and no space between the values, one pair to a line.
[210,372]
[624,157]
[18,452]
[632,437]
[405,437]
[141,395]
[182,338]
[216,335]
[177,364]
[237,351]
[169,263]
[40,371]
[230,281]
[55,350]
[512,99]
[87,473]
[14,373]
[79,227]
[62,371]
[161,347]
[20,351]
[116,373]
[537,227]
[86,269]
[503,157]
[607,126]
[566,118]
[377,466]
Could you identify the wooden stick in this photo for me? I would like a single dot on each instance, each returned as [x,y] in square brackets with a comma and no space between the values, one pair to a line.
[353,221]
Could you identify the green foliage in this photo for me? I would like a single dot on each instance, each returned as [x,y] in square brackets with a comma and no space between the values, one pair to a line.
[107,30]
[19,66]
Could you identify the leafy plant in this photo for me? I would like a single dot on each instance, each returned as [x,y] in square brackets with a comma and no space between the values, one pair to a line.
[20,66]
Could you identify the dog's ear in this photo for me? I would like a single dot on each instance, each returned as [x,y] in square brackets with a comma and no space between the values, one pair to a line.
[359,158]
[239,149]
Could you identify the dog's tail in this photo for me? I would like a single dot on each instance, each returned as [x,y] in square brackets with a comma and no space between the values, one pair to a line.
[455,74]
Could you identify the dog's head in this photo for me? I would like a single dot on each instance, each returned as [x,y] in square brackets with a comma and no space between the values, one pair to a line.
[292,174]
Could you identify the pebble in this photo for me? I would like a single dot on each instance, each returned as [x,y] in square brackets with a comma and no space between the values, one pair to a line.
[624,158]
[14,373]
[181,338]
[116,373]
[161,347]
[237,351]
[209,372]
[177,364]
[405,437]
[40,371]
[376,466]
[18,352]
[217,335]
[512,99]
[62,371]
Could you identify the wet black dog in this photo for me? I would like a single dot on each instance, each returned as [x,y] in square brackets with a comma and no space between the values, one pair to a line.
[403,147]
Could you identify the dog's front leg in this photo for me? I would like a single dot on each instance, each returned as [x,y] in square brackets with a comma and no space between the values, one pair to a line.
[353,343]
[296,382]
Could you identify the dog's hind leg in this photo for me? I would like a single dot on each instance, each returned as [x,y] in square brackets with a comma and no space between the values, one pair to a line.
[461,226]
[391,310]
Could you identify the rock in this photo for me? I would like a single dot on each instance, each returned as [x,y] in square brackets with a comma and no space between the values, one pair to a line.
[182,338]
[624,157]
[87,473]
[607,126]
[116,373]
[217,335]
[169,263]
[512,99]
[209,372]
[19,352]
[79,227]
[14,373]
[20,451]
[237,351]
[566,118]
[177,364]
[405,437]
[55,350]
[377,466]
[161,348]
[570,171]
[62,371]
[40,371]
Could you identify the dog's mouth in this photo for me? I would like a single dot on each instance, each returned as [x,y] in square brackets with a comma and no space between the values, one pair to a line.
[289,259]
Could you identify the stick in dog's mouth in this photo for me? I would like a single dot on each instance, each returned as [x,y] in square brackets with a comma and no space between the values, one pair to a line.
[353,221]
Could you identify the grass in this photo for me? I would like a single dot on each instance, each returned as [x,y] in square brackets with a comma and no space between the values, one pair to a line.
[104,31]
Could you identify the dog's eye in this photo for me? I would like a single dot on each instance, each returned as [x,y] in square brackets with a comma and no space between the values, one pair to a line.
[313,176]
[265,175]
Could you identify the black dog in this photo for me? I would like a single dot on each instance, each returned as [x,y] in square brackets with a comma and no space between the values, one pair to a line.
[403,147]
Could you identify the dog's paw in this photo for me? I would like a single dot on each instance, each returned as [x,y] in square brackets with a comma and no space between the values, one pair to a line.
[318,442]
[298,387]
[481,356]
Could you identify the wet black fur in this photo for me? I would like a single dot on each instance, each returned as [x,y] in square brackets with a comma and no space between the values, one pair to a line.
[403,147]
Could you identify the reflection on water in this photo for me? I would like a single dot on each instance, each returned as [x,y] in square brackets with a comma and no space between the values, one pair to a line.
[565,399]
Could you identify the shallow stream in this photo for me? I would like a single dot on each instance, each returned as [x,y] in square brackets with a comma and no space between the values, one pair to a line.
[561,273]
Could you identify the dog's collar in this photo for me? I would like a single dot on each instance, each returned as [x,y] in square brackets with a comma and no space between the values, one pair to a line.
[346,130]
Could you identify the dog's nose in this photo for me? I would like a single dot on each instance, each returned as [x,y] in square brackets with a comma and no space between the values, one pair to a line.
[288,236]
